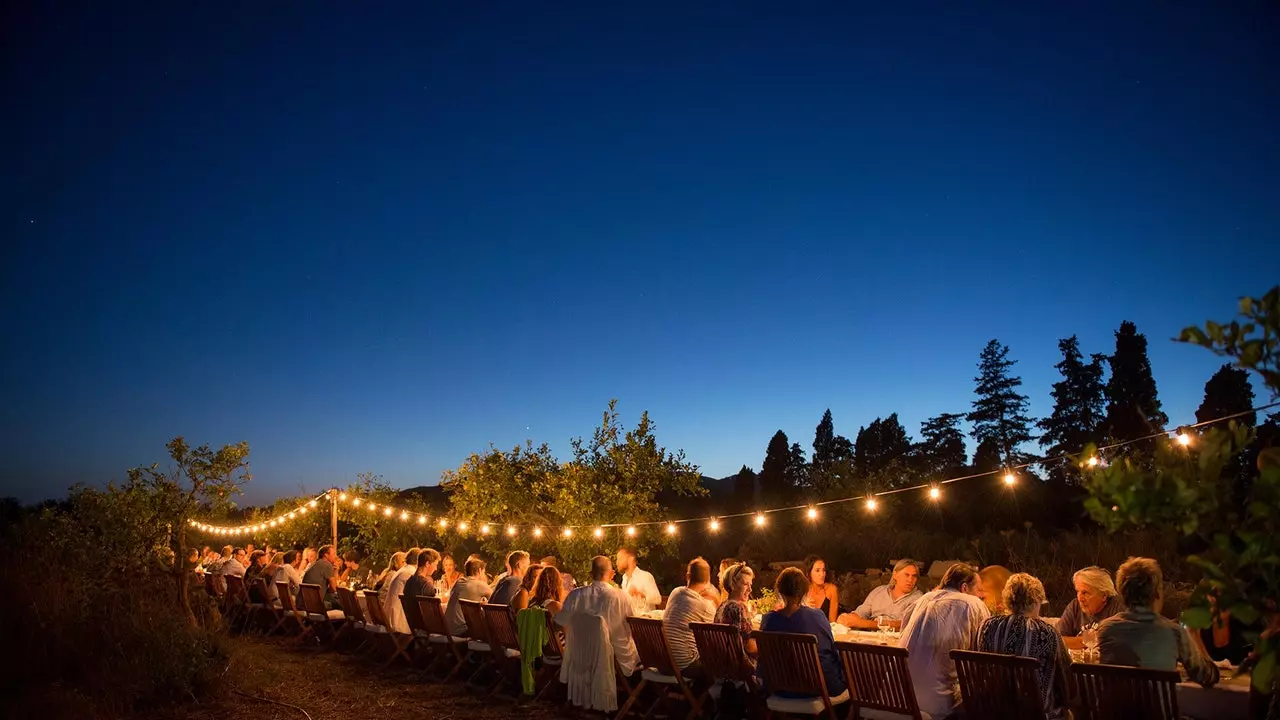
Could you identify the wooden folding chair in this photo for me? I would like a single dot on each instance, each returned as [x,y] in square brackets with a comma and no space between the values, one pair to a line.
[374,629]
[417,628]
[263,608]
[1117,692]
[998,686]
[878,679]
[723,658]
[657,669]
[398,642]
[553,658]
[236,601]
[504,645]
[354,615]
[289,611]
[324,622]
[449,646]
[789,663]
[478,632]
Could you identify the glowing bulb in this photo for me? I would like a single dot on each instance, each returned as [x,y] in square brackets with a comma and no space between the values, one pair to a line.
[568,532]
[714,525]
[312,503]
[1010,478]
[443,523]
[273,523]
[462,526]
[404,515]
[598,532]
[812,513]
[373,507]
[422,519]
[1184,439]
[292,515]
[511,530]
[484,529]
[537,532]
[302,510]
[342,496]
[631,531]
[387,512]
[671,528]
[356,502]
[871,503]
[934,493]
[760,521]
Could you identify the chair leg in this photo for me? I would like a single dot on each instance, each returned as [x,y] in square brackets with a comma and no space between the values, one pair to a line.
[631,700]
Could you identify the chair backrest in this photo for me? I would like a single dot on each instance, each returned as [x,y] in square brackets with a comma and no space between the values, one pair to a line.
[651,644]
[1110,692]
[720,651]
[432,613]
[373,606]
[878,677]
[312,599]
[350,604]
[236,590]
[998,686]
[788,663]
[209,585]
[553,647]
[261,584]
[473,614]
[286,598]
[501,627]
[412,612]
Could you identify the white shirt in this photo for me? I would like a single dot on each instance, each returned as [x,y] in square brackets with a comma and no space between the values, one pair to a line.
[391,605]
[683,607]
[601,598]
[941,621]
[643,581]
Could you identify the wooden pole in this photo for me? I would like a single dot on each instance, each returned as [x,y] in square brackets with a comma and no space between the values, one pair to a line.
[333,516]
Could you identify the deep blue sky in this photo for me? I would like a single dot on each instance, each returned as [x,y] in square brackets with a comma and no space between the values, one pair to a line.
[380,238]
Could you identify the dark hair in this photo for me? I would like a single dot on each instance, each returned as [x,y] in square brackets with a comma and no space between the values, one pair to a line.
[253,559]
[550,561]
[351,556]
[548,586]
[514,557]
[427,556]
[324,550]
[628,550]
[792,585]
[530,578]
[411,557]
[809,562]
[698,571]
[290,557]
[1139,581]
[959,575]
[473,567]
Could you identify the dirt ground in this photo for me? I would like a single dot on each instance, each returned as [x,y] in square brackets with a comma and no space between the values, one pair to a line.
[324,685]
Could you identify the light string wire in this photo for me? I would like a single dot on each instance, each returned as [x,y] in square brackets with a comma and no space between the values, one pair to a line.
[512,529]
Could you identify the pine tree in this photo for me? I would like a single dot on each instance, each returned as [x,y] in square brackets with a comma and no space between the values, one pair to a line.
[987,457]
[1133,409]
[773,473]
[744,489]
[941,450]
[1000,411]
[797,468]
[881,452]
[1228,392]
[1077,409]
[824,451]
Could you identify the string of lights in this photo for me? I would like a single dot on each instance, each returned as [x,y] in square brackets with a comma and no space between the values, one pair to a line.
[1183,435]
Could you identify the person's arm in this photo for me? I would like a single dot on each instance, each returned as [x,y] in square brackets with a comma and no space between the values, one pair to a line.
[1069,623]
[861,616]
[652,595]
[833,604]
[1192,655]
[520,601]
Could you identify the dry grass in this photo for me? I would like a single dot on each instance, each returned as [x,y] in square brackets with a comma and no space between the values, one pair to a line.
[333,686]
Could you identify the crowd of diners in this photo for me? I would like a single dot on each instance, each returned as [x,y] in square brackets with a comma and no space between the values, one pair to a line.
[988,609]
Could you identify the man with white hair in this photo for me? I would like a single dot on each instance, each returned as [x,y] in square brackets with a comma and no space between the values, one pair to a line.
[893,600]
[1095,601]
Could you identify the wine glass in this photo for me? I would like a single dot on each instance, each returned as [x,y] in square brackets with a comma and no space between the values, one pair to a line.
[1089,638]
[882,622]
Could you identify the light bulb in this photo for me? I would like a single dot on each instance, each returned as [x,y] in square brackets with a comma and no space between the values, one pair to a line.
[671,528]
[1184,439]
[404,515]
[598,532]
[871,503]
[484,529]
[760,519]
[568,532]
[312,503]
[537,532]
[373,507]
[302,510]
[443,523]
[812,513]
[342,496]
[462,526]
[934,493]
[1092,461]
[511,530]
[292,515]
[356,502]
[422,519]
[1010,478]
[387,512]
[273,523]
[631,531]
[714,525]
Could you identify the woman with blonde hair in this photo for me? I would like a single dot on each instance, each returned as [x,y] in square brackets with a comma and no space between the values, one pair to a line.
[736,581]
[1022,632]
[393,566]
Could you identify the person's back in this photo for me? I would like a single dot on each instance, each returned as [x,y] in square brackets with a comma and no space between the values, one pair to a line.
[943,620]
[319,574]
[470,587]
[285,574]
[683,607]
[1022,632]
[810,621]
[602,599]
[506,589]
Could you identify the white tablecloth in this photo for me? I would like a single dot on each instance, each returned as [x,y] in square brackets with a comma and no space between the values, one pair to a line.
[1228,700]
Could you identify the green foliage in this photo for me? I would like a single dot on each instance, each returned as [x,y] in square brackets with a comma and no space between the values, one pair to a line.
[615,476]
[1190,488]
[1133,407]
[999,411]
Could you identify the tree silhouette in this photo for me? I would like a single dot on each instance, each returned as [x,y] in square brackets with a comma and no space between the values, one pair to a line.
[1133,409]
[744,489]
[941,451]
[1077,417]
[824,451]
[1229,392]
[773,473]
[881,453]
[1000,411]
[797,468]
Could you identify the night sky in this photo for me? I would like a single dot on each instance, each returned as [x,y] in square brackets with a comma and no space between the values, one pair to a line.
[381,237]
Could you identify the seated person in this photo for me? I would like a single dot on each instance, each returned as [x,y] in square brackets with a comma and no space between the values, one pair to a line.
[822,594]
[1140,637]
[473,586]
[794,617]
[1095,601]
[1022,632]
[893,600]
[735,582]
[695,602]
[993,579]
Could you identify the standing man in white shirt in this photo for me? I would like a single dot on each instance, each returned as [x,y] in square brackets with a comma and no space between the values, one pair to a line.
[639,585]
[603,599]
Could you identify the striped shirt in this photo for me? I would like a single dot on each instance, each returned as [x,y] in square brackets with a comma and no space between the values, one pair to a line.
[683,607]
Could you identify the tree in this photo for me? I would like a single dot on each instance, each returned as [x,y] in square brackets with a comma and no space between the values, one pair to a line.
[773,473]
[941,450]
[986,458]
[199,477]
[1077,408]
[797,468]
[614,478]
[1133,408]
[1000,411]
[1241,542]
[1229,393]
[744,489]
[824,451]
[882,452]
